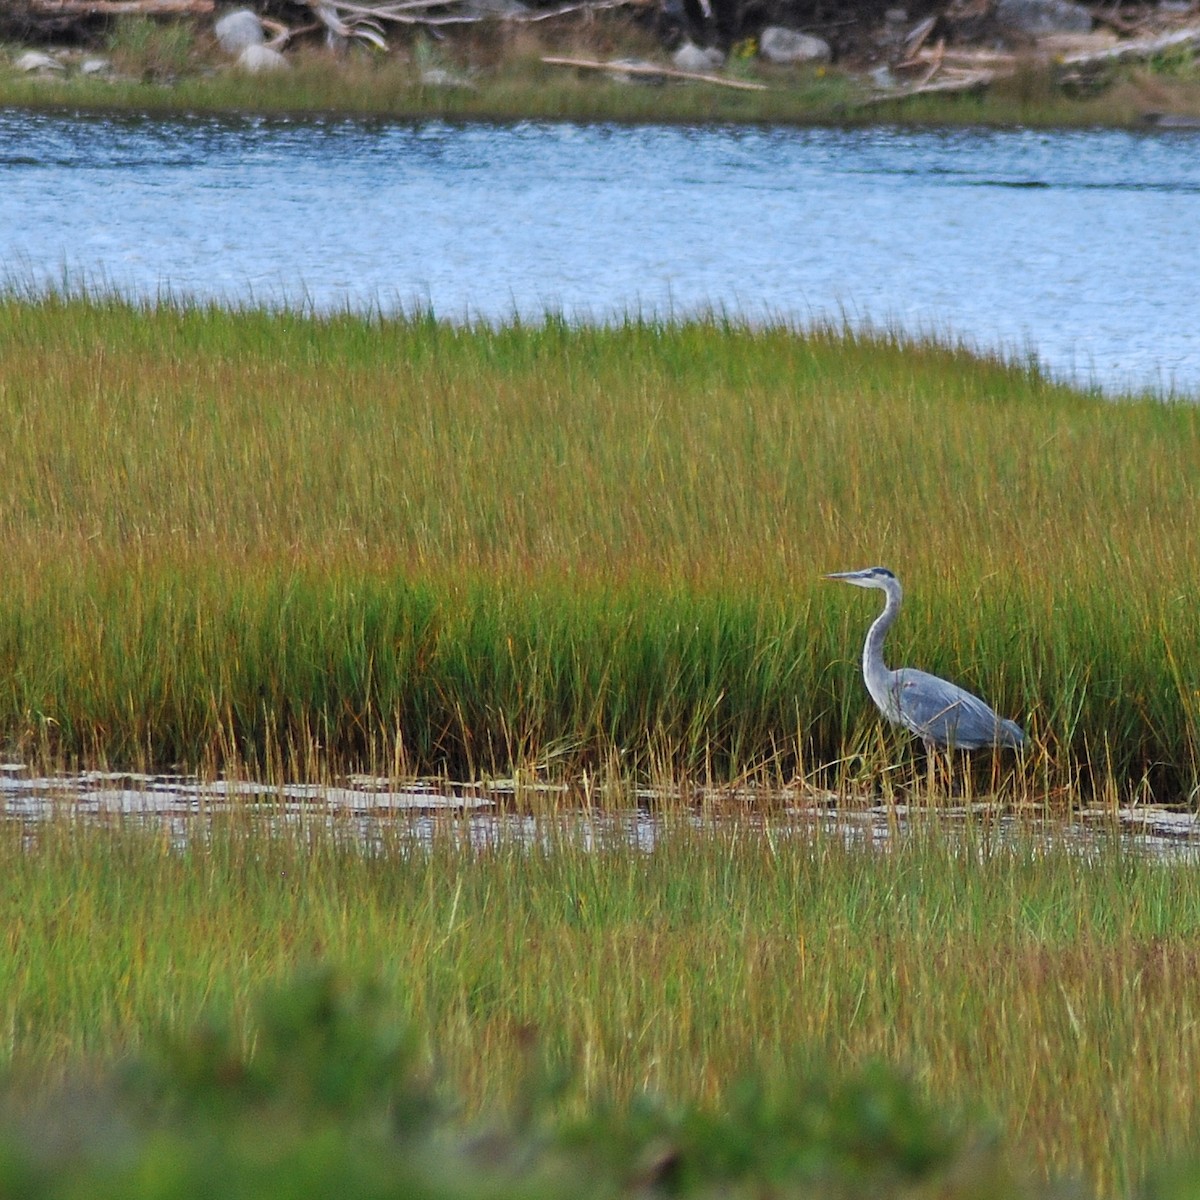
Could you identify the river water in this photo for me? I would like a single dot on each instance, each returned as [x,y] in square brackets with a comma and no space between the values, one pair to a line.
[1082,248]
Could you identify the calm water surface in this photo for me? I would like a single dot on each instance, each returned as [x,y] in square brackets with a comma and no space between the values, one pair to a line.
[1082,247]
[374,813]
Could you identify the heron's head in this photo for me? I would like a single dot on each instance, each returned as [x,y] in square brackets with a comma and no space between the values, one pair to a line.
[871,577]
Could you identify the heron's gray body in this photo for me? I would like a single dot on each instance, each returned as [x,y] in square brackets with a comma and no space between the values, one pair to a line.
[939,712]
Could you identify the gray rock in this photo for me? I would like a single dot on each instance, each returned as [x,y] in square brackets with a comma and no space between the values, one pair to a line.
[95,66]
[239,29]
[787,47]
[690,57]
[1033,17]
[255,60]
[34,62]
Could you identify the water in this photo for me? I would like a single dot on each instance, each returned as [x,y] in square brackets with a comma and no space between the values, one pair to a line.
[1080,247]
[381,814]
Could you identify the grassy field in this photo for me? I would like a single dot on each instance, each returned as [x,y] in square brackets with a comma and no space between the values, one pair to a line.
[299,546]
[1045,995]
[318,544]
[175,67]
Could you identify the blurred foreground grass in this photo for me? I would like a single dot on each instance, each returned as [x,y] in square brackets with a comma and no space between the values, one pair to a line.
[335,1102]
[708,1016]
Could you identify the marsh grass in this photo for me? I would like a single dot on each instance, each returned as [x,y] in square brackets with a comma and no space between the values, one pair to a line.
[286,541]
[1046,988]
[154,50]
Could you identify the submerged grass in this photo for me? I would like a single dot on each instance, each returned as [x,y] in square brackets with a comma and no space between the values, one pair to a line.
[296,541]
[1050,989]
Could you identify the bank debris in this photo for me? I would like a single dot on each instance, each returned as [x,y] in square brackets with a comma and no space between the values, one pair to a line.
[1074,58]
[930,46]
[58,16]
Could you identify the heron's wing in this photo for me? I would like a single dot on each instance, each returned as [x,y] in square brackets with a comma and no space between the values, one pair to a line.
[943,713]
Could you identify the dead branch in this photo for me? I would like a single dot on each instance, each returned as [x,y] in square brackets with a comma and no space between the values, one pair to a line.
[53,9]
[366,28]
[589,6]
[961,82]
[935,65]
[973,60]
[1137,50]
[402,11]
[651,71]
[918,37]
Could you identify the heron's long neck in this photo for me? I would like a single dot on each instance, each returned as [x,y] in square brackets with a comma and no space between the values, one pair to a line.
[875,670]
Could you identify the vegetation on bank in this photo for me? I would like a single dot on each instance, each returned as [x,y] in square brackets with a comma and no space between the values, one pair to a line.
[560,1011]
[309,544]
[174,68]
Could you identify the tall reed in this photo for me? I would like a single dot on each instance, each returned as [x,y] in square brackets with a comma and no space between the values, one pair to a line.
[280,537]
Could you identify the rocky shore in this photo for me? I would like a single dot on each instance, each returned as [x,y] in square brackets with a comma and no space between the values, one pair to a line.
[891,50]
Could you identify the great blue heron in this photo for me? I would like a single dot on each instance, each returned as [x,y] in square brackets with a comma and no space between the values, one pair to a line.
[940,713]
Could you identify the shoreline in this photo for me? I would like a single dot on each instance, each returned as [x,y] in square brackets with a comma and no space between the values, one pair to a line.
[155,70]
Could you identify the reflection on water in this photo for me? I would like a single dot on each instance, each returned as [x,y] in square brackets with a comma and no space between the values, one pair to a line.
[415,813]
[1075,245]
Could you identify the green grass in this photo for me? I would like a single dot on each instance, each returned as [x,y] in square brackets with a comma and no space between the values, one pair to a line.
[336,1100]
[1047,991]
[309,544]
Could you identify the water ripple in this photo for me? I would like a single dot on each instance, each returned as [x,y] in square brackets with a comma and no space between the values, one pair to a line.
[1072,246]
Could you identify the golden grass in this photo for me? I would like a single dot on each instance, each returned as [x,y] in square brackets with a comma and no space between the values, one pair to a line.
[455,548]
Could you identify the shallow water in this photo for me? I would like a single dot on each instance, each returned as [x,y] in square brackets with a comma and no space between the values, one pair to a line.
[1077,246]
[379,813]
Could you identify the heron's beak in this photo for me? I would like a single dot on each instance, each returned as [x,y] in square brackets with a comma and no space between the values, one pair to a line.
[858,578]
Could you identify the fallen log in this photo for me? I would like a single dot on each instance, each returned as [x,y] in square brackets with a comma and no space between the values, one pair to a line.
[966,82]
[53,9]
[402,11]
[1139,49]
[974,60]
[649,70]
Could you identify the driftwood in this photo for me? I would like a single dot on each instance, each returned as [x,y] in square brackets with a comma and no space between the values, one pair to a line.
[937,58]
[971,60]
[967,81]
[1138,49]
[347,19]
[366,28]
[918,37]
[55,9]
[963,70]
[957,81]
[649,70]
